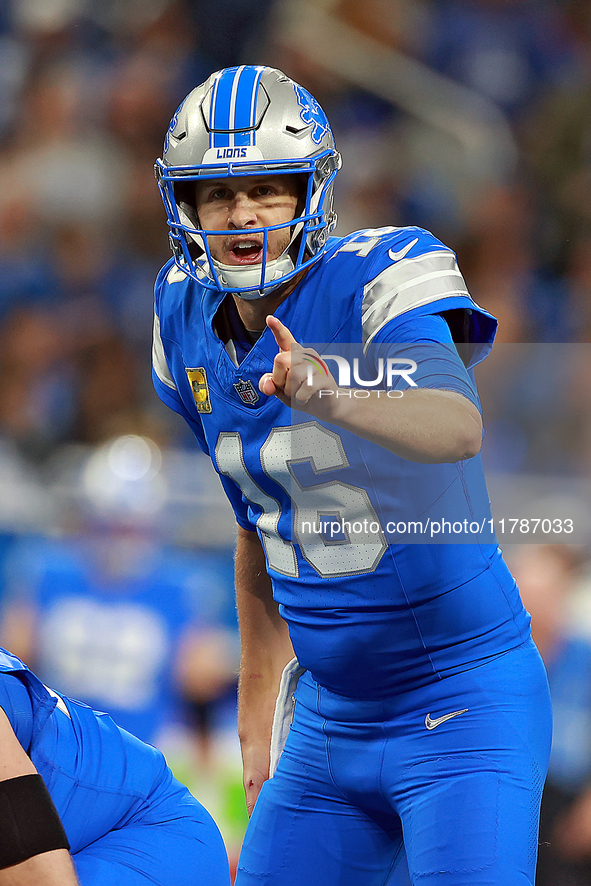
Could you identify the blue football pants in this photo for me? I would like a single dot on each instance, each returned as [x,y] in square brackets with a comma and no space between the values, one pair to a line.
[366,795]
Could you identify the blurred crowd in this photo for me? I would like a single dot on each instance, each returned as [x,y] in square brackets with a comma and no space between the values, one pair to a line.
[499,167]
[468,117]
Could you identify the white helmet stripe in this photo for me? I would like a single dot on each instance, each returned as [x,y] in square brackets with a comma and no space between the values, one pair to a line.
[253,105]
[212,106]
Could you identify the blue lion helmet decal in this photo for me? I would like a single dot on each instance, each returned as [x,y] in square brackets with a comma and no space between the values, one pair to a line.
[172,127]
[312,113]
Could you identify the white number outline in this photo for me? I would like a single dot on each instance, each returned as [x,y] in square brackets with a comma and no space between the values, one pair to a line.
[372,238]
[280,553]
[365,549]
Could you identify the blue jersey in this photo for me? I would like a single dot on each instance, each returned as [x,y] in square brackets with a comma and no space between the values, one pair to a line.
[127,819]
[569,676]
[110,638]
[81,755]
[408,613]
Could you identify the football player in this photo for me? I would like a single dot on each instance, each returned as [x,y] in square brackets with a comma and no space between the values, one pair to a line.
[85,802]
[330,380]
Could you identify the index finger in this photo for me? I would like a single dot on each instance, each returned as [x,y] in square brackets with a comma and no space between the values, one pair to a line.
[283,336]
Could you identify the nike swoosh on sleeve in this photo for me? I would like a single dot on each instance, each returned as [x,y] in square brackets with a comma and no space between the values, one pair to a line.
[396,256]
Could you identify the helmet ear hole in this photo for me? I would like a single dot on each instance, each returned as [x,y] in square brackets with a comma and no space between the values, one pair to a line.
[184,192]
[190,213]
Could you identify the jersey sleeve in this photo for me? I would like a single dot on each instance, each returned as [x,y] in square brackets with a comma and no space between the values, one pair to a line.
[167,390]
[164,352]
[163,381]
[412,272]
[426,341]
[17,705]
[169,374]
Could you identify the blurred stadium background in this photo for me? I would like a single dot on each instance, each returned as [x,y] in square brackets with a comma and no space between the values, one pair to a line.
[468,117]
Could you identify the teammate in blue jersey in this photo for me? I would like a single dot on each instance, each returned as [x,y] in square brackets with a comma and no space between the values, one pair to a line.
[85,802]
[330,380]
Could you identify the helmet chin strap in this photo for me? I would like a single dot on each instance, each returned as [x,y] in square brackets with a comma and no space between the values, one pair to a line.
[250,275]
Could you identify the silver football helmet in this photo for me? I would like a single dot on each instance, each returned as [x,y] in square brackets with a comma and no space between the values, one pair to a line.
[248,120]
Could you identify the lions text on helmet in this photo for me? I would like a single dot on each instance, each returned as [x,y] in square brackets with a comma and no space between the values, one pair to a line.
[248,150]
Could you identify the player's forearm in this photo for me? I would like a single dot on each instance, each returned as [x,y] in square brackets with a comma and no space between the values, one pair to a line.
[423,425]
[265,647]
[25,800]
[53,868]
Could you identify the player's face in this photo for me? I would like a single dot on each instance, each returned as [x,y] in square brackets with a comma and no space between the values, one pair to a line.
[237,204]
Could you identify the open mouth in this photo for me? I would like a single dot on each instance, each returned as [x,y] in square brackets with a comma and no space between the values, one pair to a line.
[246,251]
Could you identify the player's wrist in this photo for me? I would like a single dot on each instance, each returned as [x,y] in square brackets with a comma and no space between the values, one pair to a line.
[337,406]
[255,763]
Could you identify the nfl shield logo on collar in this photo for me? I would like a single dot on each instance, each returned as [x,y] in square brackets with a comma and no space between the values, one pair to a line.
[246,391]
